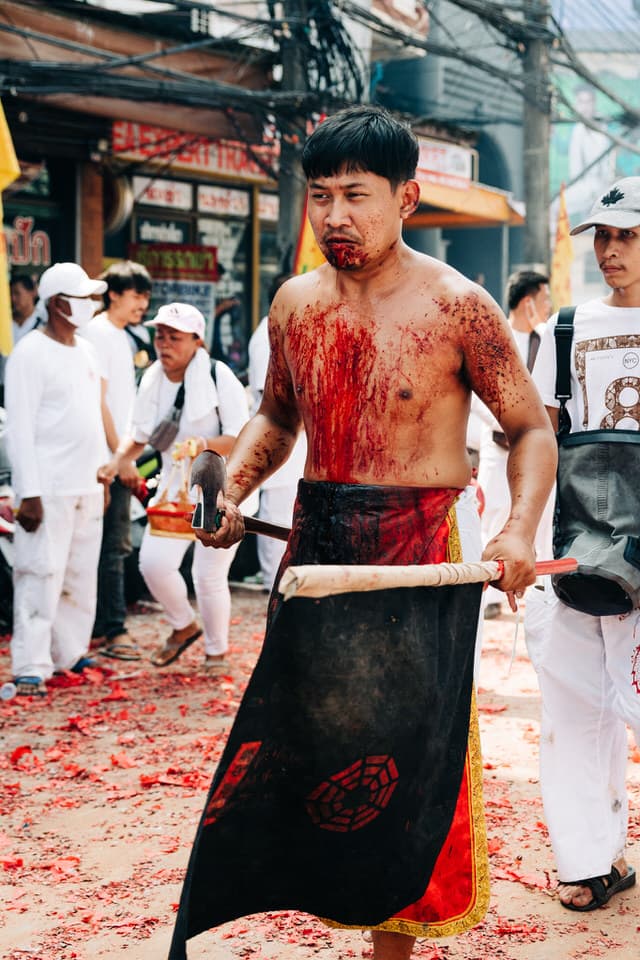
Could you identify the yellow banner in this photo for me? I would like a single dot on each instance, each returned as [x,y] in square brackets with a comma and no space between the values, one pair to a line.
[9,171]
[308,255]
[562,258]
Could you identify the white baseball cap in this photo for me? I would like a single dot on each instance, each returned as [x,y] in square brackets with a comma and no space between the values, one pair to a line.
[179,316]
[69,279]
[619,206]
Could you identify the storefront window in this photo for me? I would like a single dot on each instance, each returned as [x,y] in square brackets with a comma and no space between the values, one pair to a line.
[232,315]
[269,251]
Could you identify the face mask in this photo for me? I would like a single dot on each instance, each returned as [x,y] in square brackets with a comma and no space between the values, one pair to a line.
[82,310]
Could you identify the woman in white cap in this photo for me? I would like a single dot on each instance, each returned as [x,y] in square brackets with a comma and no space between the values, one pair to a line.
[179,409]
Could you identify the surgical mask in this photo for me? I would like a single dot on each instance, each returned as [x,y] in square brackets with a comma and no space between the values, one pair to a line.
[82,310]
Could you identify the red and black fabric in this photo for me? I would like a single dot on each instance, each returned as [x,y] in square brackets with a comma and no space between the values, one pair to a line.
[341,775]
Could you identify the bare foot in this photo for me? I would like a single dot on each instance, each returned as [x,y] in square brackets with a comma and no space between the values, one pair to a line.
[391,946]
[580,896]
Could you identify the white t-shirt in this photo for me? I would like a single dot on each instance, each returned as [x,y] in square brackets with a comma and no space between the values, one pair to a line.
[20,330]
[259,352]
[116,367]
[55,434]
[605,368]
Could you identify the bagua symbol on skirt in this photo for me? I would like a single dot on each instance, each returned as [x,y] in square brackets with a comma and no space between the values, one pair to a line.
[347,789]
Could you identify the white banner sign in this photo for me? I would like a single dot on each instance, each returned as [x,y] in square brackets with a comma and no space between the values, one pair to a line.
[163,193]
[446,163]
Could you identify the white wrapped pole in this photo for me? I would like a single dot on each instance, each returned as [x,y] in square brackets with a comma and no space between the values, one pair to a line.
[328,579]
[323,580]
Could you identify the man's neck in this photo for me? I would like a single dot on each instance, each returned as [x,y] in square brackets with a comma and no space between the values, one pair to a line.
[624,297]
[66,335]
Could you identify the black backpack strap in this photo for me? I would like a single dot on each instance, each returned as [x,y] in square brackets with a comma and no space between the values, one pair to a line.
[564,341]
[178,403]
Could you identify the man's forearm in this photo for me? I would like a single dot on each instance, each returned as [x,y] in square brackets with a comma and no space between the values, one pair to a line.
[261,448]
[531,473]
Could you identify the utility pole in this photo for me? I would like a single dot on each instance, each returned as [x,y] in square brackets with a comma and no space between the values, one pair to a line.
[536,134]
[292,188]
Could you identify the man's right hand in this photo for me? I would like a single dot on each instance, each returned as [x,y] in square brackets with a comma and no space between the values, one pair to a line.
[30,514]
[231,528]
[128,474]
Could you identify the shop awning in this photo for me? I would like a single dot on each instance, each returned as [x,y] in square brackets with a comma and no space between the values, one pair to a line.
[472,206]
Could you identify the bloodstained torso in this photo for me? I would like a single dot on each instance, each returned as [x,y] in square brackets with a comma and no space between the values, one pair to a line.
[366,389]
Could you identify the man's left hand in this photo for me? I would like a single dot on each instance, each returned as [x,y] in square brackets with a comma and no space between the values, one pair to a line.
[519,558]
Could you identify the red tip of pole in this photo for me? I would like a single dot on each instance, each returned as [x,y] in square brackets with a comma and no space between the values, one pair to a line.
[562,565]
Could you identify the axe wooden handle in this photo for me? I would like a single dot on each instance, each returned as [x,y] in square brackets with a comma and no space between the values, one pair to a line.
[254,525]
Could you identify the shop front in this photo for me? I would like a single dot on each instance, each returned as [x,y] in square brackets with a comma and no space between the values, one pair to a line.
[202,216]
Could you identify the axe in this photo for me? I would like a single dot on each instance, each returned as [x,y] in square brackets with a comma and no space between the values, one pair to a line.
[209,474]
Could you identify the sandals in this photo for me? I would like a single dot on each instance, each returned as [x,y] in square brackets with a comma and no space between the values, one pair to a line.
[84,663]
[602,888]
[174,648]
[214,663]
[30,687]
[121,647]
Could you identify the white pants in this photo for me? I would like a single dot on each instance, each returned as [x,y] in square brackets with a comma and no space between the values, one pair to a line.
[160,559]
[468,520]
[55,582]
[492,478]
[276,506]
[589,673]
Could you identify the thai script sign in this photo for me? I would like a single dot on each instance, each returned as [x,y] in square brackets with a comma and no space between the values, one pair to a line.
[173,262]
[27,247]
[163,193]
[223,200]
[156,230]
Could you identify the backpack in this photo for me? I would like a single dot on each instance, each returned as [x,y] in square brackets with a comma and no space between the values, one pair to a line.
[597,510]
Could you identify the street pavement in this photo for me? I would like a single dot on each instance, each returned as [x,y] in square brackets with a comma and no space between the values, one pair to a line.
[103,781]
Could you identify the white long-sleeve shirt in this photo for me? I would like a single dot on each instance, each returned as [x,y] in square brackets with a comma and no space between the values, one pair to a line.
[55,434]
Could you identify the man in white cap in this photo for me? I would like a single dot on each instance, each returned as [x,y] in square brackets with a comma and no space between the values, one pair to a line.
[56,442]
[589,665]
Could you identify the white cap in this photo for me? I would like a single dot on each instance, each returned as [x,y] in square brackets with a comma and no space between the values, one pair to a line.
[69,279]
[619,206]
[179,316]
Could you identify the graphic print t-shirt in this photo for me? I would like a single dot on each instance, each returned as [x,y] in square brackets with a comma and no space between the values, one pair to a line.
[605,368]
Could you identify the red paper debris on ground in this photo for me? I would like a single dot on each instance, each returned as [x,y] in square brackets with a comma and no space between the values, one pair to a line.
[103,783]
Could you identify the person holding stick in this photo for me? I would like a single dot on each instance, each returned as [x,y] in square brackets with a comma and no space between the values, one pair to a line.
[351,782]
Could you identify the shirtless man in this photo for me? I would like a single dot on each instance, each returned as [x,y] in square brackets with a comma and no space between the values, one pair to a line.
[376,353]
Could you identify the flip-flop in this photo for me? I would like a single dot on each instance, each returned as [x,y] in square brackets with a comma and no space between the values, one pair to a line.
[171,651]
[30,687]
[119,649]
[84,663]
[602,888]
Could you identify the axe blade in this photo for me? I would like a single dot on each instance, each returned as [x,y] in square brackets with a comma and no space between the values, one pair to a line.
[209,475]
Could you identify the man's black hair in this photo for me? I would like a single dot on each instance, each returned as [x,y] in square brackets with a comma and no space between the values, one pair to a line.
[524,283]
[365,138]
[25,281]
[125,275]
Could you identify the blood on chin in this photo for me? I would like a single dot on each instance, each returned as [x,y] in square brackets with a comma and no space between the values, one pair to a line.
[345,255]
